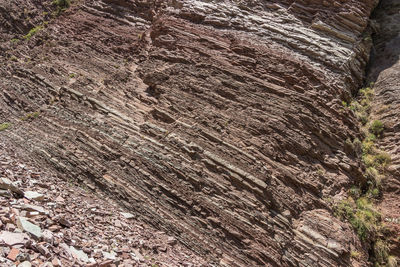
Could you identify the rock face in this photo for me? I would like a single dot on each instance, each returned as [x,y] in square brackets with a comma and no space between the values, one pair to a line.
[385,71]
[219,122]
[72,226]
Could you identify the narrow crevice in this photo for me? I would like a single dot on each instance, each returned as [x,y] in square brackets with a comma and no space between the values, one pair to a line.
[364,208]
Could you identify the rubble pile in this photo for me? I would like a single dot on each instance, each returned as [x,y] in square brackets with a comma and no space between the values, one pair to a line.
[46,221]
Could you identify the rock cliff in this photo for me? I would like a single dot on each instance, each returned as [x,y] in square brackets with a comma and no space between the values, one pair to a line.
[385,71]
[218,122]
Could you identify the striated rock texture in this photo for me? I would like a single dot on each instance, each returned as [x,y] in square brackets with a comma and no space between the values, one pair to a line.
[70,225]
[219,122]
[385,70]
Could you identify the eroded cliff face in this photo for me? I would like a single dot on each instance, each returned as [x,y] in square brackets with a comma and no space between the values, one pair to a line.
[385,71]
[219,122]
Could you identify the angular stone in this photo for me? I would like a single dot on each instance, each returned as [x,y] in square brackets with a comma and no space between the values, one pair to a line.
[62,221]
[25,264]
[117,223]
[79,254]
[32,214]
[56,262]
[171,240]
[7,184]
[4,193]
[12,255]
[43,250]
[39,209]
[59,199]
[32,195]
[29,227]
[128,215]
[13,239]
[54,228]
[110,256]
[10,227]
[47,236]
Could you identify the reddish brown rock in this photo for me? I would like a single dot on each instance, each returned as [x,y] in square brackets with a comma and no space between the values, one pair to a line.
[12,255]
[385,72]
[218,122]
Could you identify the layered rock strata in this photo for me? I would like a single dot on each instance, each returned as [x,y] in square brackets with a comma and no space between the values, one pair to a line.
[219,122]
[385,72]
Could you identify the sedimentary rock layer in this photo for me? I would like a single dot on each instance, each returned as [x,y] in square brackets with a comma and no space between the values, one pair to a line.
[219,122]
[385,72]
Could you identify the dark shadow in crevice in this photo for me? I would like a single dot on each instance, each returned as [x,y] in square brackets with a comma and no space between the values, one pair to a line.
[385,22]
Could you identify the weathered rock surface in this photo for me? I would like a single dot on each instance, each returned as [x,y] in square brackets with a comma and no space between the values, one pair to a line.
[385,71]
[219,122]
[96,234]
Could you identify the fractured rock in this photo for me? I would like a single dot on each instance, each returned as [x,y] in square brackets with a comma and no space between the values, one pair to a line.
[29,227]
[109,255]
[128,215]
[9,185]
[38,209]
[4,193]
[12,255]
[80,255]
[13,239]
[33,195]
[56,262]
[227,108]
[48,236]
[63,221]
[137,255]
[43,250]
[171,240]
[88,231]
[25,264]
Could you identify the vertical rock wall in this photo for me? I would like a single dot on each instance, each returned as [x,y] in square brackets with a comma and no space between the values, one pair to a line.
[385,72]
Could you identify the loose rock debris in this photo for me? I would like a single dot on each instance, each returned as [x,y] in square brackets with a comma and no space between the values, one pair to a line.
[48,222]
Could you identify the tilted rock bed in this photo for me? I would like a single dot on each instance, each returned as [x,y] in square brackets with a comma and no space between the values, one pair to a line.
[385,72]
[45,221]
[219,122]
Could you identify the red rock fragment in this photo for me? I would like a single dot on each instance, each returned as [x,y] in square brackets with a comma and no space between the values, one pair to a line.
[56,262]
[125,255]
[13,254]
